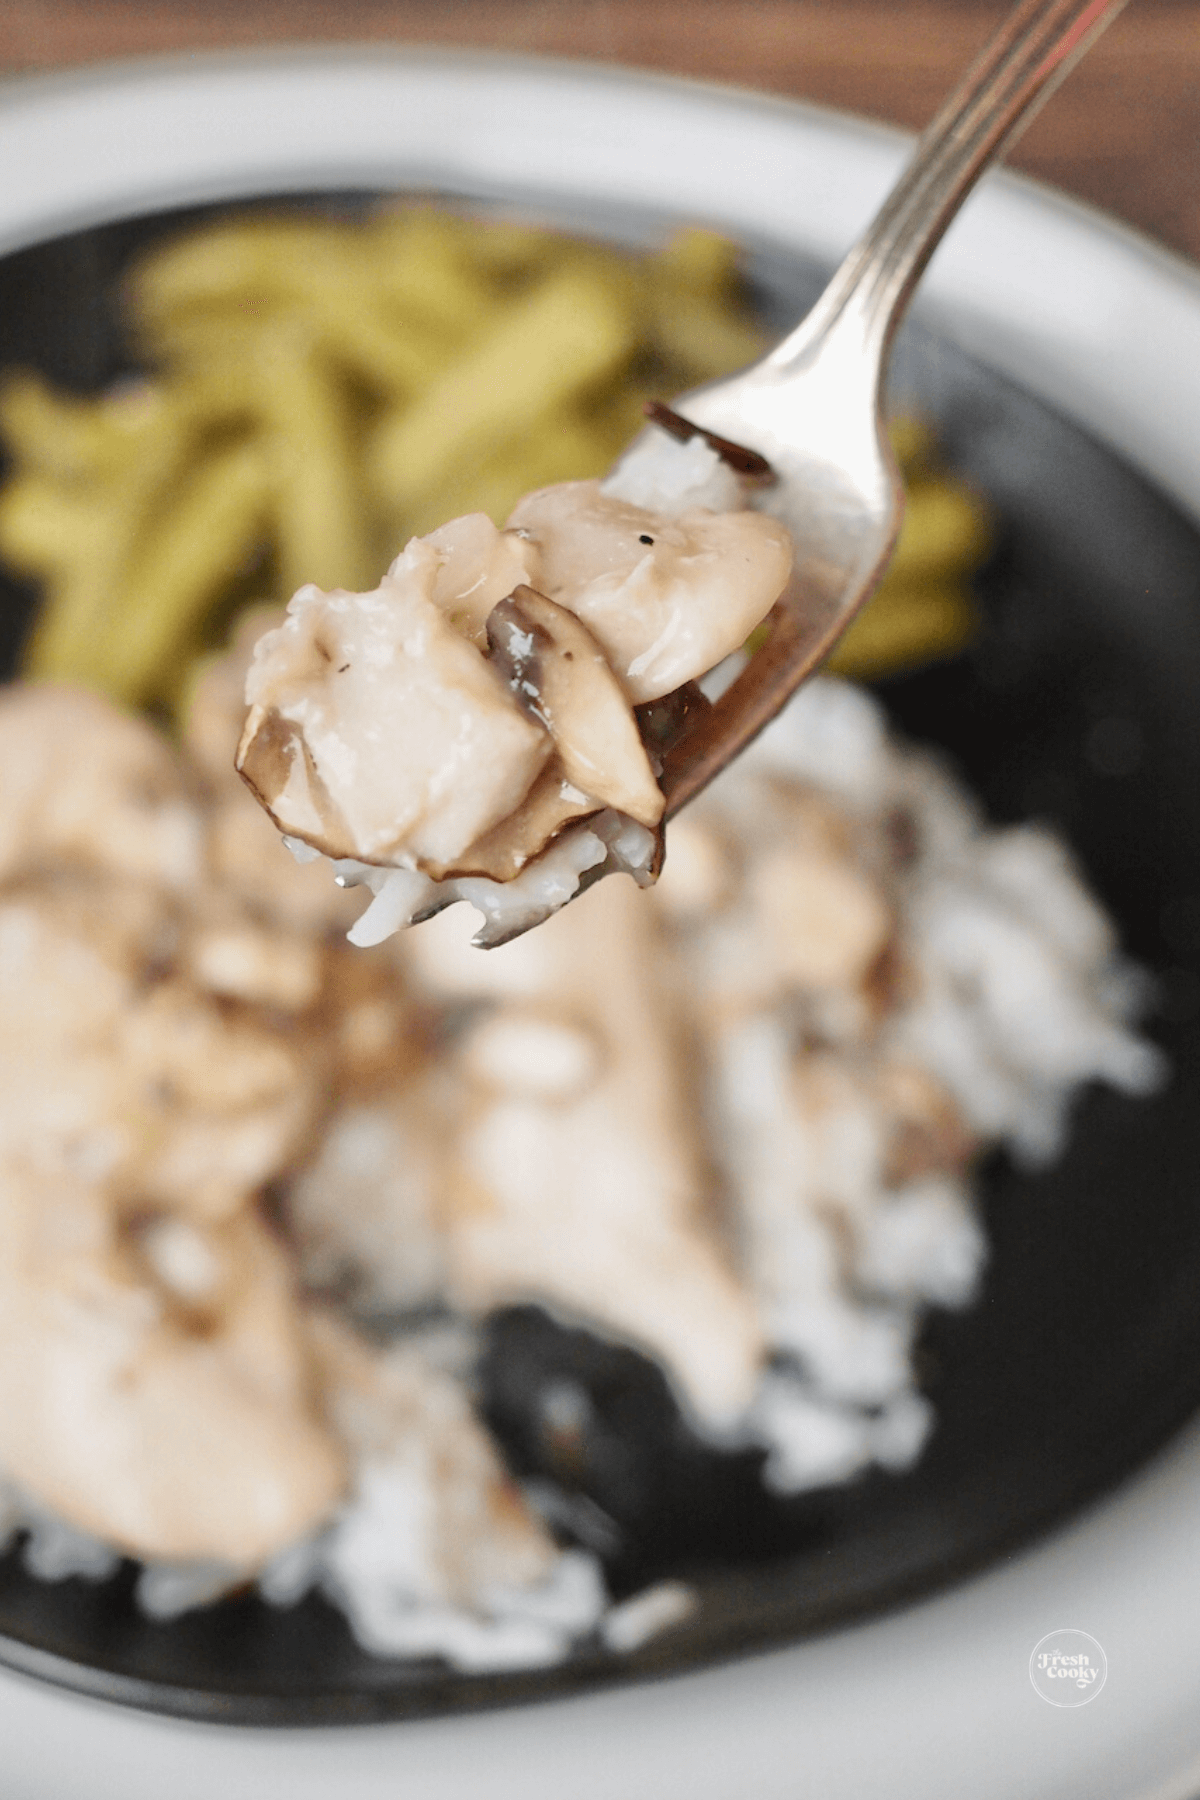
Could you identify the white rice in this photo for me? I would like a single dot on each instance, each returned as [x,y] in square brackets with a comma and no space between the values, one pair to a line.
[1022,998]
[643,1616]
[669,477]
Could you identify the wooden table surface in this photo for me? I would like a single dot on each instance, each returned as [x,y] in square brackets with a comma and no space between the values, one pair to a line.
[1124,132]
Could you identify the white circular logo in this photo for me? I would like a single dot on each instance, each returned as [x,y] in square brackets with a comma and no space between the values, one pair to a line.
[1068,1668]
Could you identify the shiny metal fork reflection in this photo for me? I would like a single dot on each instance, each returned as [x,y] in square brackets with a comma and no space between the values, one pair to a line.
[812,407]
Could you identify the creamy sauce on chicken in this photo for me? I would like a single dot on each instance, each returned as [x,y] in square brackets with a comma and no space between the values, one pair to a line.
[477,708]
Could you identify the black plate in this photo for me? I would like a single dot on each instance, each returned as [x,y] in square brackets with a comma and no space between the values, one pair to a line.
[1077,706]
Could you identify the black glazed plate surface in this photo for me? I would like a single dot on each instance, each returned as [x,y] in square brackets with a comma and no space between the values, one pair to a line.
[1076,706]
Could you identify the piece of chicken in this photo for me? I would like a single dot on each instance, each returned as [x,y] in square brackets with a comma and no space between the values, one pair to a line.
[783,899]
[155,1386]
[116,1067]
[469,724]
[365,1213]
[88,785]
[548,1151]
[577,1175]
[381,729]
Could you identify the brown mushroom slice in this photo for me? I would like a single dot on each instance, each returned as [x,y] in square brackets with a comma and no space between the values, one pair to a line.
[746,463]
[552,802]
[242,840]
[559,673]
[666,597]
[279,769]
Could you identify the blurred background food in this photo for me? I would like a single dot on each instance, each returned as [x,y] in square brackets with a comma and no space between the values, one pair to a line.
[1123,133]
[314,392]
[346,358]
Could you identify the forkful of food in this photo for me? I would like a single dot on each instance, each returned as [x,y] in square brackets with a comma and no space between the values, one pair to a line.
[514,713]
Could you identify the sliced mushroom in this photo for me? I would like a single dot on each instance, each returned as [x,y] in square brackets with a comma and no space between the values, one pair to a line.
[279,769]
[559,673]
[243,849]
[746,463]
[666,598]
[551,803]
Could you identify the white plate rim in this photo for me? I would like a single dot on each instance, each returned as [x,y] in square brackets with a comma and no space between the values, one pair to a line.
[1044,289]
[932,1701]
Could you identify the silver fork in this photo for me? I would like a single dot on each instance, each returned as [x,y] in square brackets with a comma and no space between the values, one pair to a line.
[812,407]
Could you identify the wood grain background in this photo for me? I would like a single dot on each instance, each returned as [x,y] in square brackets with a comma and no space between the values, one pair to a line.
[1124,132]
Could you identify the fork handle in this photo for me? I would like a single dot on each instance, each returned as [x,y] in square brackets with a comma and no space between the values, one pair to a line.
[1020,68]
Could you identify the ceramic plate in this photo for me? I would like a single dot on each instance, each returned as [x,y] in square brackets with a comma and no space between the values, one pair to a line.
[1076,706]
